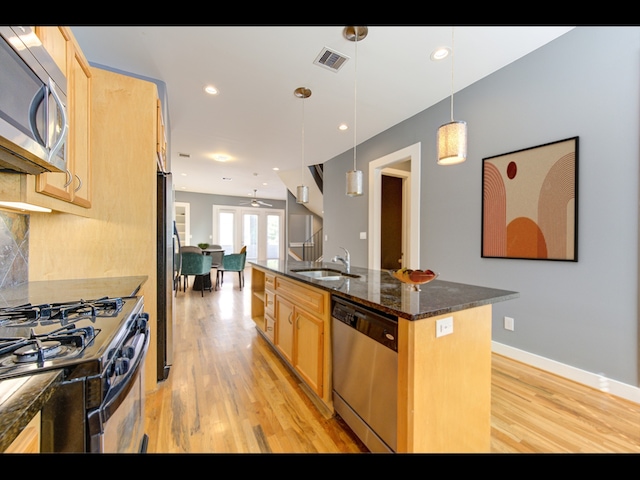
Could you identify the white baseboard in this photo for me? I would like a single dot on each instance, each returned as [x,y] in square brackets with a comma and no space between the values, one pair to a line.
[593,380]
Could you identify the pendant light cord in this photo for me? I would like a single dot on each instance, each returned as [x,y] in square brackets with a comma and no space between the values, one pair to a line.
[302,167]
[452,55]
[355,101]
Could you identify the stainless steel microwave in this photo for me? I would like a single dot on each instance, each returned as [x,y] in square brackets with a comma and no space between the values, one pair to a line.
[33,105]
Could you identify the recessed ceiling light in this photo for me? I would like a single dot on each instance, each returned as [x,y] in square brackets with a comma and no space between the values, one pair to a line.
[343,127]
[211,90]
[221,157]
[440,53]
[276,168]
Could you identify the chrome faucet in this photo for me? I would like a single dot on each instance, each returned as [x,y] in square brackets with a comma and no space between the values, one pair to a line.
[346,260]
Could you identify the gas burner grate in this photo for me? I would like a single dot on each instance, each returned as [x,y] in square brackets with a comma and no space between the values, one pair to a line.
[60,312]
[38,348]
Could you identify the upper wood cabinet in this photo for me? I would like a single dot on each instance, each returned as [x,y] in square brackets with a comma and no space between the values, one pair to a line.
[75,185]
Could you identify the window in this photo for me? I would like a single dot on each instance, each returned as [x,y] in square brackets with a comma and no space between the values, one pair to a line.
[260,230]
[226,222]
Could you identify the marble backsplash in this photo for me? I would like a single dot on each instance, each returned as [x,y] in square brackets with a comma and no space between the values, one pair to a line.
[14,249]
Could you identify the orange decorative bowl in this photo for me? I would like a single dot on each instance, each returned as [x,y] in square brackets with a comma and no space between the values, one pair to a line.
[413,278]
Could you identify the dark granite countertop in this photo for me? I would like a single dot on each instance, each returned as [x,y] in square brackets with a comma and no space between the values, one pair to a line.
[70,290]
[379,290]
[20,399]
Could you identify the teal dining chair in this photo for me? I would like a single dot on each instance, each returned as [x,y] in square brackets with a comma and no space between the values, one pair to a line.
[196,264]
[234,262]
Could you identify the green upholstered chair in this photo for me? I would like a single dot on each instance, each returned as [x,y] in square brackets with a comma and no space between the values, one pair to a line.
[196,264]
[184,279]
[234,262]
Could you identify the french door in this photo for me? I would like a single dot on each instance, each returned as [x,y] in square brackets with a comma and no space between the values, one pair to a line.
[260,230]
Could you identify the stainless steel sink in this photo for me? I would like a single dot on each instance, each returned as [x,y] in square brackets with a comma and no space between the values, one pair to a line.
[323,273]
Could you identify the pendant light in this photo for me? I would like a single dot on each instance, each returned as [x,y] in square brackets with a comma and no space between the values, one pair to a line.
[302,190]
[354,177]
[452,136]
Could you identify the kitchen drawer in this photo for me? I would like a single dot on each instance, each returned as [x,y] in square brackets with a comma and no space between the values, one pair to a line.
[313,300]
[269,327]
[269,281]
[268,302]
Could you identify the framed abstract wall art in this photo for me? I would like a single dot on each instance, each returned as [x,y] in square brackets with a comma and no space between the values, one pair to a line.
[530,203]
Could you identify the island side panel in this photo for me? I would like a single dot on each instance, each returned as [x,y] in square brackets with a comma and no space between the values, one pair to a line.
[444,384]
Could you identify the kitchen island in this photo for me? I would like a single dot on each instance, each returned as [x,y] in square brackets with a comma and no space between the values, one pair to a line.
[444,382]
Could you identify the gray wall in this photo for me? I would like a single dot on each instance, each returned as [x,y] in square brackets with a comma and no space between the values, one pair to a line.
[201,211]
[586,84]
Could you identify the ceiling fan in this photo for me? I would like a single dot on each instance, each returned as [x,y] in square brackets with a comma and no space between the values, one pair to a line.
[255,202]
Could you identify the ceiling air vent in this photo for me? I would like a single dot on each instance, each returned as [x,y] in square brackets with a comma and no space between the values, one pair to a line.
[330,59]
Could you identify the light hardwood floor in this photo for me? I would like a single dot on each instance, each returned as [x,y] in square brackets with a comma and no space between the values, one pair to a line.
[228,392]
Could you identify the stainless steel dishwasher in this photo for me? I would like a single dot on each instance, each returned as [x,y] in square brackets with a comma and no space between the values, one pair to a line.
[365,372]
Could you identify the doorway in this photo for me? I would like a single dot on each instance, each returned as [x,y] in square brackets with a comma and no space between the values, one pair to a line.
[391,223]
[410,208]
[260,230]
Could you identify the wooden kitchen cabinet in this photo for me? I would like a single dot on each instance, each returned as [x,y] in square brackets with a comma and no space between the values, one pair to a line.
[257,298]
[74,185]
[28,441]
[269,307]
[270,327]
[299,337]
[284,317]
[308,352]
[263,303]
[294,318]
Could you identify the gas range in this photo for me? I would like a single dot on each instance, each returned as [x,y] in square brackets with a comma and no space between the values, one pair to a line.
[40,337]
[99,345]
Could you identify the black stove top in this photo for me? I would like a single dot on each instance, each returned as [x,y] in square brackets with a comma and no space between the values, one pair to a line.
[59,313]
[35,338]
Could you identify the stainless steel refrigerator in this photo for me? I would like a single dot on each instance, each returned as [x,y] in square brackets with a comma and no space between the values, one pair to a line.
[168,244]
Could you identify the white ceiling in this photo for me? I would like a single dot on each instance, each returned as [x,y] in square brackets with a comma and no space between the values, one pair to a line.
[256,118]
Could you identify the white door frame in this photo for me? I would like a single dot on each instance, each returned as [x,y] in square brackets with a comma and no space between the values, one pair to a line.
[412,154]
[238,225]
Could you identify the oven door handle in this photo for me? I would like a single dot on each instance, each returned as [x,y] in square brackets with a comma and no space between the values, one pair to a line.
[125,381]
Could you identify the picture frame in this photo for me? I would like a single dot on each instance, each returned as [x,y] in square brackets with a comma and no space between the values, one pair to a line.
[530,203]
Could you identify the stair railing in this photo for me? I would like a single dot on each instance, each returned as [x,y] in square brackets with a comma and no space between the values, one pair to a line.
[312,248]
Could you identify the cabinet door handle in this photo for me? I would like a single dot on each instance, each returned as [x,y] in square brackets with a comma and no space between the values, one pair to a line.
[79,184]
[69,179]
[290,315]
